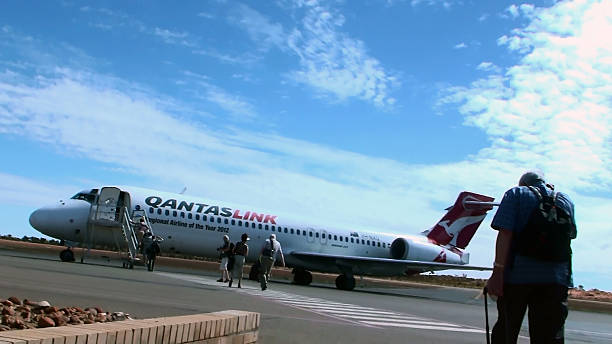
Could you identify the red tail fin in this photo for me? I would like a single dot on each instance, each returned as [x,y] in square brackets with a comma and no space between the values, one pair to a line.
[461,221]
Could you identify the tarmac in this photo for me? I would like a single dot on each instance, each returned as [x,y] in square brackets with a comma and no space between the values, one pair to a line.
[300,314]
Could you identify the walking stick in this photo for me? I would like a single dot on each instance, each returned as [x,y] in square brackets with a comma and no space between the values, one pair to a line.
[486,315]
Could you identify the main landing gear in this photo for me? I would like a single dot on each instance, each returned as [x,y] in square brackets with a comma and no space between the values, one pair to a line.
[345,282]
[301,276]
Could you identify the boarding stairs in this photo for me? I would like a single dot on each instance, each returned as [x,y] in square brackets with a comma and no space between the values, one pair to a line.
[110,216]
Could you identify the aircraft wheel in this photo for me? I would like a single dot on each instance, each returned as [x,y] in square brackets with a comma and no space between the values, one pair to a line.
[67,255]
[344,282]
[254,273]
[302,277]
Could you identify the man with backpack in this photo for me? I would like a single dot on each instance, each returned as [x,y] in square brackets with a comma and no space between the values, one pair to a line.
[241,251]
[270,249]
[533,267]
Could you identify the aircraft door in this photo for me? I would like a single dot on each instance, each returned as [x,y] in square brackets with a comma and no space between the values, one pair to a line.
[324,236]
[108,205]
[311,235]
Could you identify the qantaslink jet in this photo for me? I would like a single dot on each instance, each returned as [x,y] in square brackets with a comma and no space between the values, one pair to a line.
[195,226]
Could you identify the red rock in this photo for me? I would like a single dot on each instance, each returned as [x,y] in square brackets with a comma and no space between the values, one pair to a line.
[50,310]
[88,321]
[14,300]
[46,322]
[7,303]
[99,310]
[92,311]
[8,311]
[78,309]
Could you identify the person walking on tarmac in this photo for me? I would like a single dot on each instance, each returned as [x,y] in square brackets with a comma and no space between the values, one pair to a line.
[241,251]
[267,257]
[533,267]
[225,252]
[150,244]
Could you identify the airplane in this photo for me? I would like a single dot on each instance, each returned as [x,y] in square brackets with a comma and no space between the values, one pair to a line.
[195,226]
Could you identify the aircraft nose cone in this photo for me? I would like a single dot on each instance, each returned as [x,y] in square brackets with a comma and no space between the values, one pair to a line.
[36,219]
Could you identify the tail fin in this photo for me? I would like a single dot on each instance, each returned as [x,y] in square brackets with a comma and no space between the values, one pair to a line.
[461,221]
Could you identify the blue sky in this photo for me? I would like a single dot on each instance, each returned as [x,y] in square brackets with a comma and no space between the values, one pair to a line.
[373,114]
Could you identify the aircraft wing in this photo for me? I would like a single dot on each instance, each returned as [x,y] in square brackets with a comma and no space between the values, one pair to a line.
[380,265]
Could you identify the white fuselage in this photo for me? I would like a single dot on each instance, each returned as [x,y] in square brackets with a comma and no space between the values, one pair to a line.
[195,226]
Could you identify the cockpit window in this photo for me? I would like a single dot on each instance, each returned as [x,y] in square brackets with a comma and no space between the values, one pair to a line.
[88,196]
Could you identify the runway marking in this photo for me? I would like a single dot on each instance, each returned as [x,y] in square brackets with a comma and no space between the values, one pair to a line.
[425,327]
[360,315]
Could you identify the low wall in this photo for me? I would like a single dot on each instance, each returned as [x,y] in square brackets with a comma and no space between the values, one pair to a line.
[231,327]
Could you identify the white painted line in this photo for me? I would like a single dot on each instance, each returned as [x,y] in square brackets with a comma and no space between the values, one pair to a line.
[373,313]
[423,327]
[398,318]
[328,306]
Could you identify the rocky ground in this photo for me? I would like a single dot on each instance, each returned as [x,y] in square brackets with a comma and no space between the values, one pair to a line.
[17,314]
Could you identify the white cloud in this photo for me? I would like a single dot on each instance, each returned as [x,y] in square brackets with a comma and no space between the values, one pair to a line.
[260,28]
[206,15]
[513,10]
[443,3]
[174,37]
[488,67]
[334,63]
[461,45]
[331,63]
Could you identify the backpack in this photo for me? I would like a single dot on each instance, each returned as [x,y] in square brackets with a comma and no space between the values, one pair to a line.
[240,248]
[546,235]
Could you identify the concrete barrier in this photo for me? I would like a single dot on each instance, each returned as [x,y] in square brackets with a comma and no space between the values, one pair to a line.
[226,327]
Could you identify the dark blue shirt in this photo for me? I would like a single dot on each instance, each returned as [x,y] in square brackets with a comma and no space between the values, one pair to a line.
[513,214]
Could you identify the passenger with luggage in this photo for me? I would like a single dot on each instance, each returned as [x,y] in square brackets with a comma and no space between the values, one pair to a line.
[225,252]
[241,251]
[533,265]
[151,246]
[269,251]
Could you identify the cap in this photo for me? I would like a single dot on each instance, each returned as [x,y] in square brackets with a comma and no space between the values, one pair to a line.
[272,236]
[226,238]
[531,178]
[244,237]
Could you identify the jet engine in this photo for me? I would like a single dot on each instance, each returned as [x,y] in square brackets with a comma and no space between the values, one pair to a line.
[400,248]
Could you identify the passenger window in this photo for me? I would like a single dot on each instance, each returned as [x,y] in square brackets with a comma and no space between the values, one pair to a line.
[310,234]
[252,225]
[212,219]
[174,213]
[190,216]
[335,237]
[285,230]
[291,230]
[203,217]
[167,212]
[304,233]
[198,217]
[378,244]
[298,232]
[151,210]
[269,228]
[362,242]
[384,245]
[233,222]
[352,240]
[159,211]
[182,214]
[218,220]
[317,234]
[323,235]
[226,221]
[368,242]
